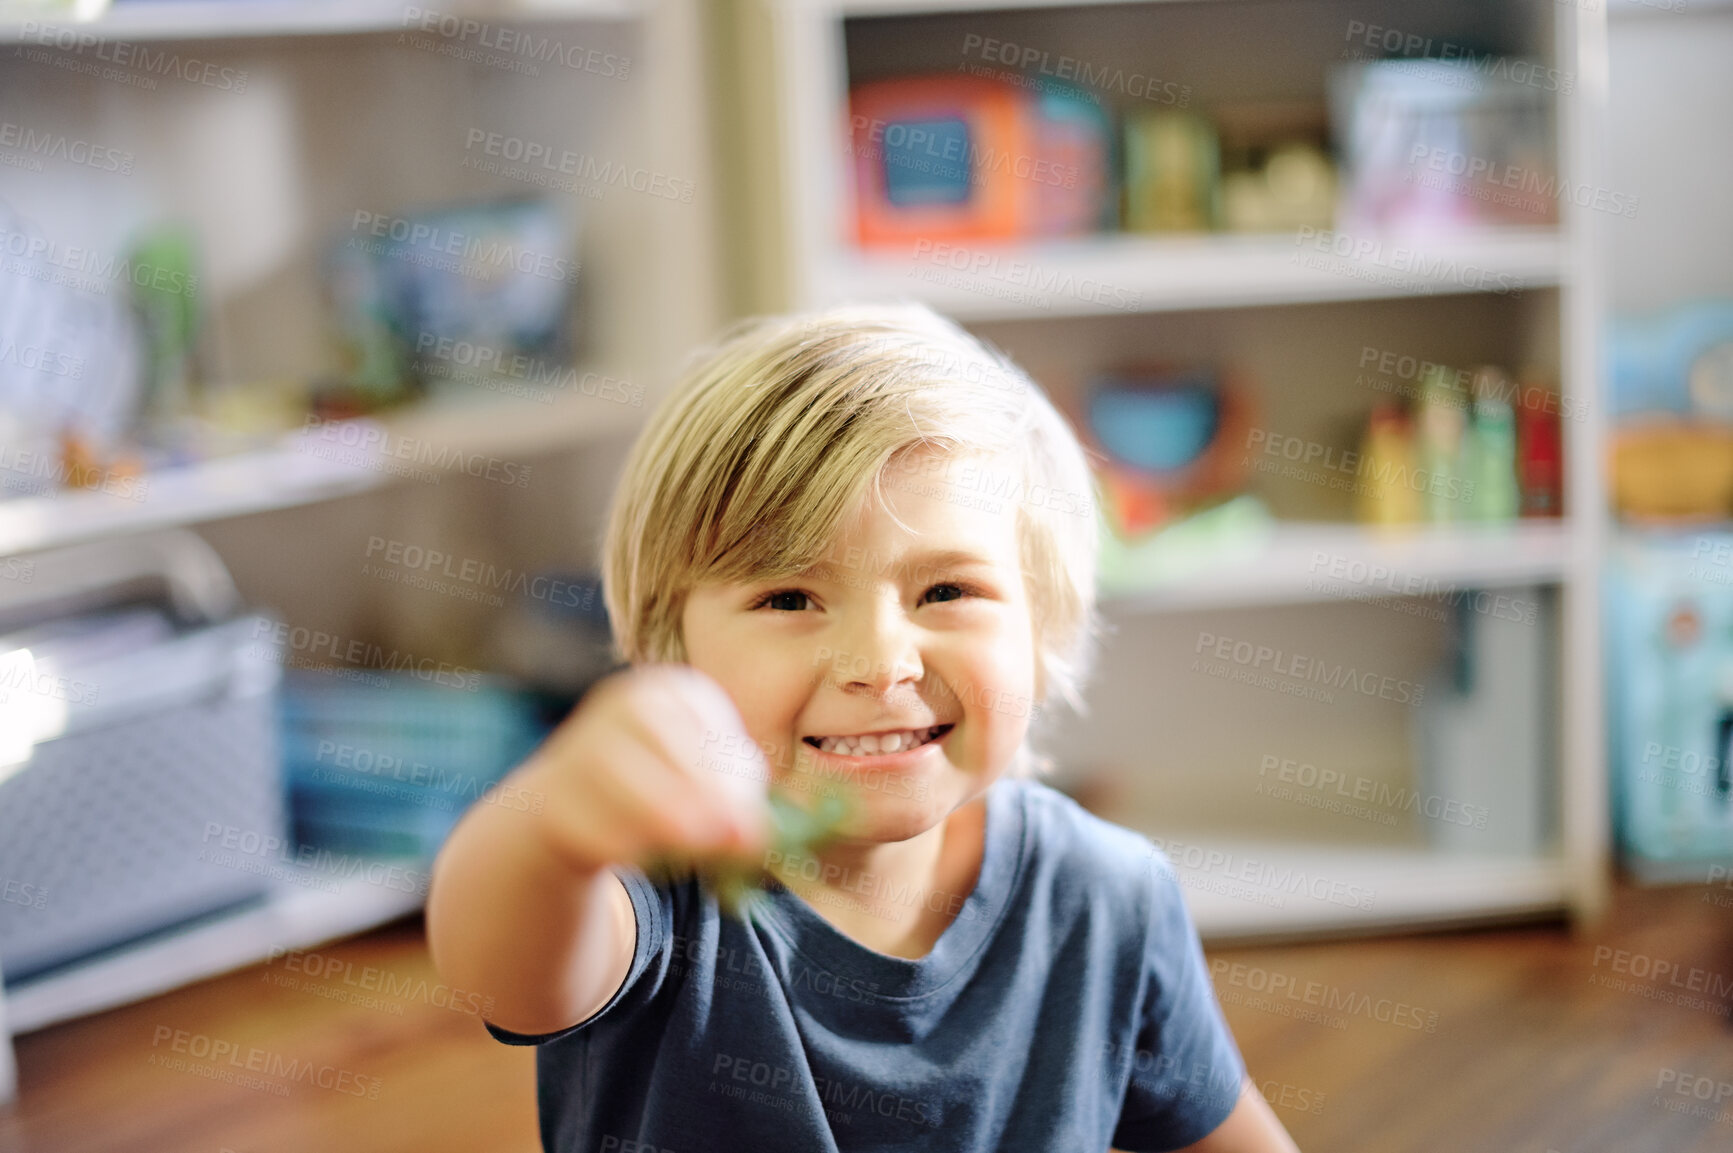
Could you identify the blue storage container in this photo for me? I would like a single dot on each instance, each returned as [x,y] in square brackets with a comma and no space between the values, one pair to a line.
[387,769]
[1670,698]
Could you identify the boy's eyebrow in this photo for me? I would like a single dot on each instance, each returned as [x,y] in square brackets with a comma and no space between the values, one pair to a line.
[950,558]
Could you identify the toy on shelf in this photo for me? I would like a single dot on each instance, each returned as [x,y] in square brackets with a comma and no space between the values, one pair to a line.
[74,359]
[1295,188]
[1276,171]
[949,157]
[166,306]
[1431,146]
[438,301]
[1668,469]
[1169,440]
[1672,389]
[1172,172]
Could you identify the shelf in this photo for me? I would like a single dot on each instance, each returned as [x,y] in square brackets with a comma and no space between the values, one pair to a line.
[235,19]
[851,8]
[1310,563]
[292,473]
[294,918]
[1264,889]
[1136,274]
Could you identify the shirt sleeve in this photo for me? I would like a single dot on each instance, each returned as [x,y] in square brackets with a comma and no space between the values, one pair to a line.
[652,908]
[1186,1070]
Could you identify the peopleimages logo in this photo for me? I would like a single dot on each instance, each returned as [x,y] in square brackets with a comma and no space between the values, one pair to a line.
[1304,668]
[1352,467]
[227,1057]
[480,254]
[1263,874]
[1033,63]
[166,61]
[1328,998]
[58,146]
[1369,258]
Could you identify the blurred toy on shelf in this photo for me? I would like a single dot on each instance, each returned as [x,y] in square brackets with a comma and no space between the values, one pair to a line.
[1669,469]
[165,299]
[1437,146]
[1295,188]
[1672,393]
[951,158]
[1237,529]
[440,300]
[1277,175]
[1172,172]
[1169,439]
[71,383]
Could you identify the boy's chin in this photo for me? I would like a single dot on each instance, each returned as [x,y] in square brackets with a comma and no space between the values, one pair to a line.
[880,818]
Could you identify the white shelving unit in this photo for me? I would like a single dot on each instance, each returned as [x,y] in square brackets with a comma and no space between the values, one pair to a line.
[1166,273]
[793,60]
[195,20]
[293,917]
[1373,887]
[1305,563]
[294,472]
[319,70]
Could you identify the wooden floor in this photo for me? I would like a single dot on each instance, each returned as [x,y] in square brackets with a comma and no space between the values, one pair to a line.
[1523,1040]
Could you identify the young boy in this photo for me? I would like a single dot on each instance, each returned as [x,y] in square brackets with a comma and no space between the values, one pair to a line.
[850,557]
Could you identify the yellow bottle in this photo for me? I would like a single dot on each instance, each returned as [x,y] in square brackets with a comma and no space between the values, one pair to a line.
[1385,494]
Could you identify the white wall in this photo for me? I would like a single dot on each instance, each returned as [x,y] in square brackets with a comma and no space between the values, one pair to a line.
[1670,142]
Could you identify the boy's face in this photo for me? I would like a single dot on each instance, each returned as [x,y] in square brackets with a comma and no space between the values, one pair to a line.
[897,629]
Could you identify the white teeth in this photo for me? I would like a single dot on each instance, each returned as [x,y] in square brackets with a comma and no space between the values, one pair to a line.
[869,744]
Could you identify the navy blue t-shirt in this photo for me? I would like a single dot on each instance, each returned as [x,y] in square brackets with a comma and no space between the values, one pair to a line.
[1066,1008]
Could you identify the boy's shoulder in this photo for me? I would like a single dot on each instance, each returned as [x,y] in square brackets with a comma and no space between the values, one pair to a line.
[1069,844]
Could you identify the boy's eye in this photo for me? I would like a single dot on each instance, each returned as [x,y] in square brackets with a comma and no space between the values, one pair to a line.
[783,600]
[957,591]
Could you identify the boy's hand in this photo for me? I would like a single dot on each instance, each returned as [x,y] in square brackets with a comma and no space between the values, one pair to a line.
[655,762]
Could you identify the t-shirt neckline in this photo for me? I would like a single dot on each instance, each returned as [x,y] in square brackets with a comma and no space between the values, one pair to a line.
[820,942]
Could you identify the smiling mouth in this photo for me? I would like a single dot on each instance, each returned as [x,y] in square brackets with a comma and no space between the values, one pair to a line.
[878,744]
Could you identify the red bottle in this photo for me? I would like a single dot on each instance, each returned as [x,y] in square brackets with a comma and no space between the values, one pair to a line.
[1539,453]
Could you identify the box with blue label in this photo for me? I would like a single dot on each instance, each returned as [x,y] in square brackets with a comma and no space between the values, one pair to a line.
[1670,698]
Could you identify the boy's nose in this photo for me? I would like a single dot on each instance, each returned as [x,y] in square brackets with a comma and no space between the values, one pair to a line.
[883,675]
[881,657]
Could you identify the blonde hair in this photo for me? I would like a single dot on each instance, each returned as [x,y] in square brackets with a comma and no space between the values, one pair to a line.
[774,435]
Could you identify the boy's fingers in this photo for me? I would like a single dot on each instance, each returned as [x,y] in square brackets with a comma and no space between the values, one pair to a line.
[728,791]
[650,796]
[704,739]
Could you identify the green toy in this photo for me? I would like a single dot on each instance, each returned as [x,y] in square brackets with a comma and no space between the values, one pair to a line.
[738,885]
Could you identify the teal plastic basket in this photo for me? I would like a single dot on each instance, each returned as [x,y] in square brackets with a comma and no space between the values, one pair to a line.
[387,769]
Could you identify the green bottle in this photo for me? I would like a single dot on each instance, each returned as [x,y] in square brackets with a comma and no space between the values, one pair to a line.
[1439,427]
[1496,495]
